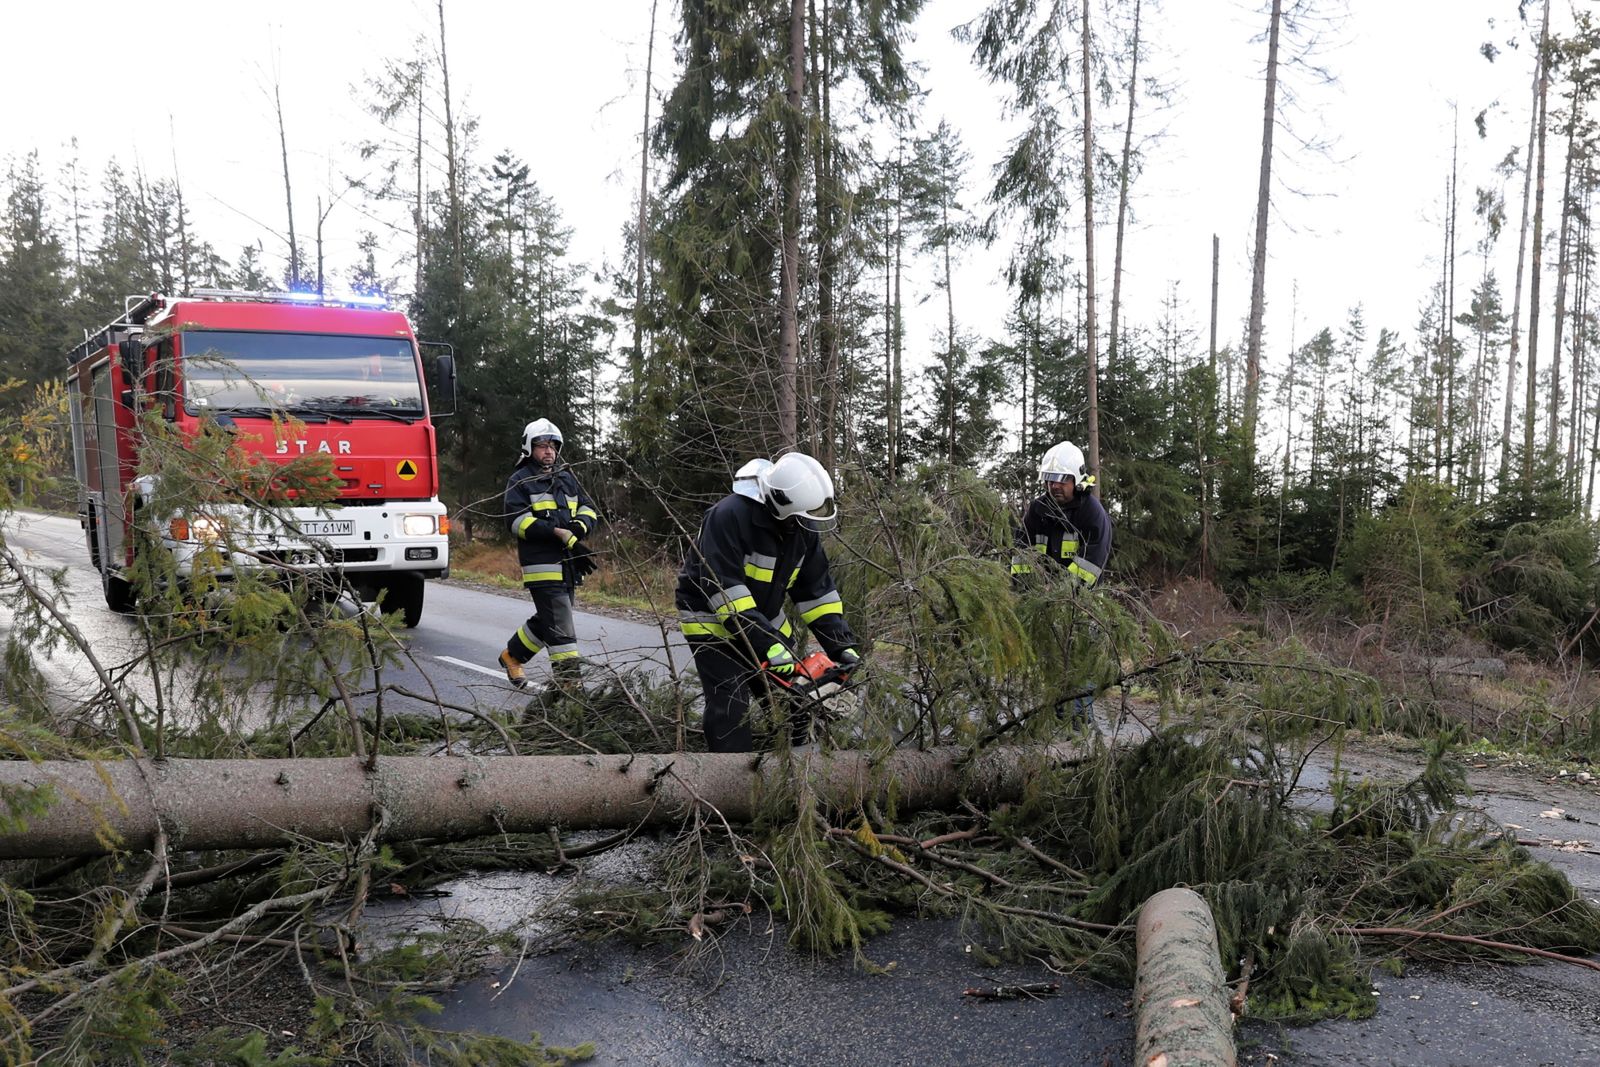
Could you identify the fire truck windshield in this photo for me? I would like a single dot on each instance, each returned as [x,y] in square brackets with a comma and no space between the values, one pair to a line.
[330,373]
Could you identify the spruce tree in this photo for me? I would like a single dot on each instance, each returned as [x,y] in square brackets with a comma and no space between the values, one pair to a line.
[35,285]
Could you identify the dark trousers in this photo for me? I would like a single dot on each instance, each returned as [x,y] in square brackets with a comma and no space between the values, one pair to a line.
[549,627]
[730,682]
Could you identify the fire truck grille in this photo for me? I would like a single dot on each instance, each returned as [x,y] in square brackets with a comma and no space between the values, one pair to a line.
[312,558]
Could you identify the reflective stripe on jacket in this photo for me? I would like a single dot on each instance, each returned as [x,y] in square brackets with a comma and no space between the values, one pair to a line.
[1076,536]
[741,569]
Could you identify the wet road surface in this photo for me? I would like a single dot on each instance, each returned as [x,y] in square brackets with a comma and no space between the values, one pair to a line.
[755,1001]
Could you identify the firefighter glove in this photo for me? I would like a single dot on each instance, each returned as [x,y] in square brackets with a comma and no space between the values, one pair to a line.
[780,661]
[582,562]
[847,661]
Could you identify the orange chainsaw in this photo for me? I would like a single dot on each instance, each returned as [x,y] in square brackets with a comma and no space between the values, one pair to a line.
[816,682]
[816,677]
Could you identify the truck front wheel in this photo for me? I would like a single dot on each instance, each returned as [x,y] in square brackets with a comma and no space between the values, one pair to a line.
[119,592]
[405,596]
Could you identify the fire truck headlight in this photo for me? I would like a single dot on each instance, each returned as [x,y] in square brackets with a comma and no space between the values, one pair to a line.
[208,529]
[417,525]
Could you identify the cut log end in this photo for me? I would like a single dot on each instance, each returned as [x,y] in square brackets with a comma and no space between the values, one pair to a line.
[1180,1004]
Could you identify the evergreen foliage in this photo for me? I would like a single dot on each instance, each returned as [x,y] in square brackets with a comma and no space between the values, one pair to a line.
[1409,561]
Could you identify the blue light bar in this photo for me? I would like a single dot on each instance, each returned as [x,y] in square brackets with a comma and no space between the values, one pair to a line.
[361,300]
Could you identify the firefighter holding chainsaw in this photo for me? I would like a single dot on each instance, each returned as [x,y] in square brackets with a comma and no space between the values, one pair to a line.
[753,553]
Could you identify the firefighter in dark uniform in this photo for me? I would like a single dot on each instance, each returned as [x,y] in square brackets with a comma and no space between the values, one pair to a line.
[1068,526]
[752,554]
[550,515]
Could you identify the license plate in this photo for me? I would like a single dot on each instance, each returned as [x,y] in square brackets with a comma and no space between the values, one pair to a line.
[328,527]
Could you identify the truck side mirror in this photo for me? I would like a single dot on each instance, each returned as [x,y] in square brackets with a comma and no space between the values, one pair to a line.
[131,354]
[444,378]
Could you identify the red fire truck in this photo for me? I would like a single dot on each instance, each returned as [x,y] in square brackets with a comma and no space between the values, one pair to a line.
[289,374]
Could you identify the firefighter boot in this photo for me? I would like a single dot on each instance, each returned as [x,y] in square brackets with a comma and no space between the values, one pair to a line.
[514,672]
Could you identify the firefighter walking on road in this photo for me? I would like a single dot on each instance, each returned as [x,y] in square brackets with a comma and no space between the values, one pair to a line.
[1069,527]
[753,553]
[550,515]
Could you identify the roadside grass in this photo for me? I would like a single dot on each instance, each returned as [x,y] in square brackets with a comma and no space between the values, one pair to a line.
[1498,702]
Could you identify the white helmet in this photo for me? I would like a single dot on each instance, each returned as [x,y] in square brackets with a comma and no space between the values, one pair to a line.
[744,479]
[799,487]
[537,429]
[1063,461]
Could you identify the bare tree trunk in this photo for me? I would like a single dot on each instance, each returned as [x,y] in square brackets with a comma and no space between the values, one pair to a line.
[1216,274]
[73,168]
[897,417]
[1288,421]
[1209,420]
[1113,342]
[183,220]
[1553,437]
[321,216]
[1522,252]
[1030,358]
[641,239]
[1258,279]
[1580,318]
[419,214]
[260,803]
[1448,299]
[1479,428]
[456,243]
[789,280]
[1529,415]
[827,231]
[950,327]
[1594,459]
[888,333]
[288,189]
[1091,353]
[1442,352]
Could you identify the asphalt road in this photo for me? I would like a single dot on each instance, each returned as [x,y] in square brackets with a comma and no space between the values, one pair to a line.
[754,1000]
[1538,1015]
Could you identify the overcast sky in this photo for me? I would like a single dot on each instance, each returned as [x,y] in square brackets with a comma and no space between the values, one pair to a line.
[559,84]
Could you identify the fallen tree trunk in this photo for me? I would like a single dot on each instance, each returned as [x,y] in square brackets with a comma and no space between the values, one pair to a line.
[258,803]
[1180,1003]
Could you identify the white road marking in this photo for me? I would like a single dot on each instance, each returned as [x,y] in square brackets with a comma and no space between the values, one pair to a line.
[473,667]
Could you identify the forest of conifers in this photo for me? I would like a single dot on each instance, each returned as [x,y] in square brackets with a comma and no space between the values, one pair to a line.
[1434,477]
